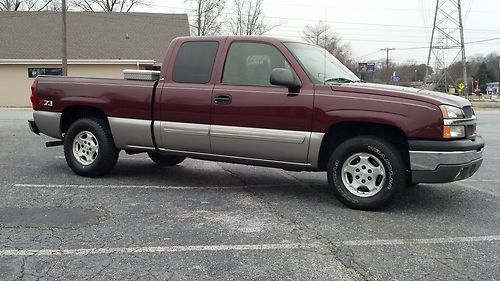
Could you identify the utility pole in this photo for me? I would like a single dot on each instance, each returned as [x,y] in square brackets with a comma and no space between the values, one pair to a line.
[64,40]
[387,63]
[447,36]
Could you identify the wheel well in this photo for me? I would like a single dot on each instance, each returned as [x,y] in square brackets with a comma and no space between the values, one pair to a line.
[73,113]
[340,132]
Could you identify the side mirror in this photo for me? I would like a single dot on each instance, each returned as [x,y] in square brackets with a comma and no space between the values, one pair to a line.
[285,77]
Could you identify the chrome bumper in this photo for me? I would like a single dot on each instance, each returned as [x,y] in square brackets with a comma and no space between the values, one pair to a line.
[440,162]
[430,160]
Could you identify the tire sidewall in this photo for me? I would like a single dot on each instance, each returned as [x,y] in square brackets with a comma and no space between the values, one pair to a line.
[106,153]
[387,155]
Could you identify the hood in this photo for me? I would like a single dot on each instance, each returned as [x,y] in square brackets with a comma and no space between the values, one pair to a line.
[432,97]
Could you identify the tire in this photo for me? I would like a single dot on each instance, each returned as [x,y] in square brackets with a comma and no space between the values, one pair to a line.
[89,148]
[165,160]
[378,166]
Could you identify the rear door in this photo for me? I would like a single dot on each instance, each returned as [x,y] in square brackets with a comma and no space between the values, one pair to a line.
[186,95]
[252,118]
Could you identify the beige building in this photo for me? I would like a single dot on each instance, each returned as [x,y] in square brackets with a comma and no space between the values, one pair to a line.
[99,45]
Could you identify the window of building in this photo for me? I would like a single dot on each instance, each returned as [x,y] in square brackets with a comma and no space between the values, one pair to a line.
[34,72]
[195,62]
[250,63]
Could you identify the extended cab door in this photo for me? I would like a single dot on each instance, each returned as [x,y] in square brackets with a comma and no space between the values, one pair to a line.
[252,118]
[183,108]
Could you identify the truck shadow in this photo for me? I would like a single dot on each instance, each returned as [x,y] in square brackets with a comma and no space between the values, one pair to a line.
[269,182]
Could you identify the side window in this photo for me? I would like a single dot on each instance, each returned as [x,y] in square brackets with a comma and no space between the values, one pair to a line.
[194,62]
[251,64]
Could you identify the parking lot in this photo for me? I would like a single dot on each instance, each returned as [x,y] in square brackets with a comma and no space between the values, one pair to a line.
[206,220]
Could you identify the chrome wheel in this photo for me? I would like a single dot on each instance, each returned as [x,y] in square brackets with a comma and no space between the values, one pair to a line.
[363,174]
[85,147]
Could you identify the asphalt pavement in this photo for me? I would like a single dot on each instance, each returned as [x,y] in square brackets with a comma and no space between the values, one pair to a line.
[215,221]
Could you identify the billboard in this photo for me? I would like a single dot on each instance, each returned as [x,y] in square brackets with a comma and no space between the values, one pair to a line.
[492,88]
[366,67]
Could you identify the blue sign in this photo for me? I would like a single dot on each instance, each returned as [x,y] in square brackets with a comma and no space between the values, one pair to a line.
[395,79]
[366,67]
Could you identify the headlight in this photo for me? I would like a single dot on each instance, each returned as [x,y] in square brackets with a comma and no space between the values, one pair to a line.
[452,112]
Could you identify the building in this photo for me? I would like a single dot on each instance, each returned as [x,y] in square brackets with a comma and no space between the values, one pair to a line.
[99,45]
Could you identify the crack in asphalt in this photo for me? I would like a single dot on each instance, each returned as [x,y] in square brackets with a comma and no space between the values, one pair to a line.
[303,229]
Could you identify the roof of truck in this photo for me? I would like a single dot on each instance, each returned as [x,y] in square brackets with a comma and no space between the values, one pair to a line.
[37,35]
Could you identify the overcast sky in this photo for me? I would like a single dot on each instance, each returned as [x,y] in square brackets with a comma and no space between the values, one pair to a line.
[371,25]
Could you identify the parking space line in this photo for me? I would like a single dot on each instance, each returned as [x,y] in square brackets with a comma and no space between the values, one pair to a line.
[445,240]
[482,190]
[248,247]
[164,187]
[161,249]
[119,158]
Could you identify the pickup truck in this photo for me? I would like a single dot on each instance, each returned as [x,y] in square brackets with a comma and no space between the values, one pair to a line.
[264,101]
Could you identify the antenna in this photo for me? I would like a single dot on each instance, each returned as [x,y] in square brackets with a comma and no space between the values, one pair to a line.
[324,47]
[447,37]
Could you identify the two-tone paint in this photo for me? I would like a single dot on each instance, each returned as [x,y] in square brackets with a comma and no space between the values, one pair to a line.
[266,125]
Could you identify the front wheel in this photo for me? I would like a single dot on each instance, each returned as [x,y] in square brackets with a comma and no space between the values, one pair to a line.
[366,172]
[89,148]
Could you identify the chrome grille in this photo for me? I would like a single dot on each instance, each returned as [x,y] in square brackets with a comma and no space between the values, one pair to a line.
[468,111]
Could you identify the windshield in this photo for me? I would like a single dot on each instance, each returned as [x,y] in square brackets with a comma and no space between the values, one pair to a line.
[321,66]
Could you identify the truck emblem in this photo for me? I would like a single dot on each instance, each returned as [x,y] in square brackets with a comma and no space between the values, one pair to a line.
[48,103]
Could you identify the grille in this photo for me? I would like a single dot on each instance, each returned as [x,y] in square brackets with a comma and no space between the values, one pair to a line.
[468,111]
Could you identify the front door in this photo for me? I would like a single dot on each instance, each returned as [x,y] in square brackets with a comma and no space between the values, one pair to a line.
[252,118]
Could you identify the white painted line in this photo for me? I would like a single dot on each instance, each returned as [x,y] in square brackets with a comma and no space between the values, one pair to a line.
[110,186]
[164,187]
[446,240]
[481,181]
[248,247]
[163,249]
[482,190]
[119,158]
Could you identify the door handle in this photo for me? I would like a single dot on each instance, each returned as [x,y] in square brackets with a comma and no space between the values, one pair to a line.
[222,99]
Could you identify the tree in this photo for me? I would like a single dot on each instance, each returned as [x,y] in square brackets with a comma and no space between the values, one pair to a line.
[206,15]
[25,5]
[483,75]
[248,18]
[318,34]
[107,5]
[321,35]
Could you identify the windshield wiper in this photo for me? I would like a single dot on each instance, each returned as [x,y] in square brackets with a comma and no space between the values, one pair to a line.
[340,80]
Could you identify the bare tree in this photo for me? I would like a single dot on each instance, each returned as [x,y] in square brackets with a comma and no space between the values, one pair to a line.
[318,34]
[248,18]
[321,35]
[107,5]
[25,5]
[206,15]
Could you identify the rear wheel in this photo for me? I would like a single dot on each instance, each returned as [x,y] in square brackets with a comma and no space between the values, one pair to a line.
[165,159]
[366,172]
[89,148]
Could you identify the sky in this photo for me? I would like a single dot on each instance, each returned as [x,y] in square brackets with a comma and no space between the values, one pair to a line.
[369,26]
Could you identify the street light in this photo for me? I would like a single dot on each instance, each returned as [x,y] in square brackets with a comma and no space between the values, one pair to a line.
[415,77]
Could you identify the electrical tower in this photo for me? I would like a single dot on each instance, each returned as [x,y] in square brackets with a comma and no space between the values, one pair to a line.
[447,44]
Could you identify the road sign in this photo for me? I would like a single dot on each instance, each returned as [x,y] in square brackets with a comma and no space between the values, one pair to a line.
[461,87]
[395,79]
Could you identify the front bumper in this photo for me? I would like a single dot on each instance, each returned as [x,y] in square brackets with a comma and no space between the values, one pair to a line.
[445,161]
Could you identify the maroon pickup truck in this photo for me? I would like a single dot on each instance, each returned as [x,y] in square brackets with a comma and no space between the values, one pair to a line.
[263,101]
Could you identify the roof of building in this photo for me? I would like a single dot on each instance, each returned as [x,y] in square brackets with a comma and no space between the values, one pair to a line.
[99,36]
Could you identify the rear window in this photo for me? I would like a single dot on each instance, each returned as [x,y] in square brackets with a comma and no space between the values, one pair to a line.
[195,62]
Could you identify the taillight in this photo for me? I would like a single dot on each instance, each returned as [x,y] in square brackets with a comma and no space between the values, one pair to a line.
[33,94]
